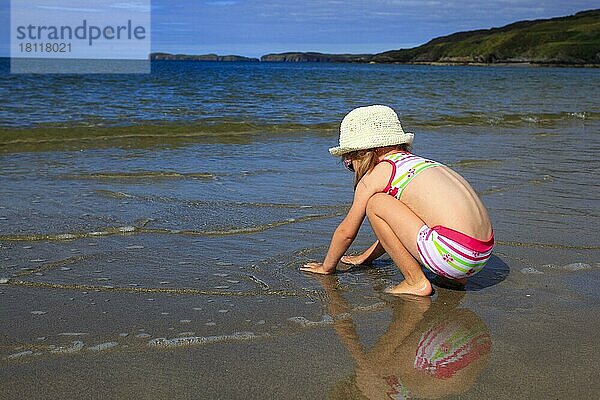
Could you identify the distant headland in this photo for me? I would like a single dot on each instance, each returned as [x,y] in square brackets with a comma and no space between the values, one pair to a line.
[202,57]
[316,57]
[565,41]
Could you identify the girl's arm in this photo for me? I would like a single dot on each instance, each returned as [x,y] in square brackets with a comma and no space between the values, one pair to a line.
[348,229]
[342,238]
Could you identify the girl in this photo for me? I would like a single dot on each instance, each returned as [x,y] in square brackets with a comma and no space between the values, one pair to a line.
[420,210]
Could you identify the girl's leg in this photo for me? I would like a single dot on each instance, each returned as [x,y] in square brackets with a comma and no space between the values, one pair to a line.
[396,227]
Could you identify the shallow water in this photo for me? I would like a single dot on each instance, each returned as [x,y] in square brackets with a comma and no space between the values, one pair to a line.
[164,261]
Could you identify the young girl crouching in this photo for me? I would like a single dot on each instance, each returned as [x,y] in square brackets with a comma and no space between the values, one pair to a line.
[421,211]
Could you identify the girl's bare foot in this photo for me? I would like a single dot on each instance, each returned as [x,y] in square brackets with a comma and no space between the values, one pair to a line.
[421,288]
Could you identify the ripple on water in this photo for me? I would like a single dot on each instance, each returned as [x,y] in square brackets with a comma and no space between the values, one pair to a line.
[103,346]
[138,176]
[326,320]
[202,340]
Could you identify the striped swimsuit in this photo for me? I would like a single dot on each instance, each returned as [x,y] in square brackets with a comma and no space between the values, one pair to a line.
[442,250]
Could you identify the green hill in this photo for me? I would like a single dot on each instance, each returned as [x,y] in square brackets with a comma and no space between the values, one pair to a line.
[564,40]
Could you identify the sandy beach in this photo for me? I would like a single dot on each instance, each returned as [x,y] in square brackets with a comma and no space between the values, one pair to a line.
[163,263]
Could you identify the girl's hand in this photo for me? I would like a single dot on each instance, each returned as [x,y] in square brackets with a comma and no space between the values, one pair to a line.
[316,268]
[353,260]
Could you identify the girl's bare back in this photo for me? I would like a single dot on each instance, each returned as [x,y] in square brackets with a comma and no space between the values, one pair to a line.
[440,196]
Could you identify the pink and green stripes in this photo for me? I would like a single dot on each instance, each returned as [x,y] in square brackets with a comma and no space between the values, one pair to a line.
[451,254]
[405,167]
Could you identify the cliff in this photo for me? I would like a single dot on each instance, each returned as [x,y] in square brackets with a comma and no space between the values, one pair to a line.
[315,57]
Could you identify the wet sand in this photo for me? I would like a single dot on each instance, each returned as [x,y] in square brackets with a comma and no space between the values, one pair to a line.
[134,272]
[534,338]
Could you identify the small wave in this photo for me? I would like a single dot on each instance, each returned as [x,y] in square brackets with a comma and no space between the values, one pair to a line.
[573,267]
[510,120]
[119,230]
[539,135]
[160,290]
[74,348]
[566,268]
[129,230]
[515,186]
[144,134]
[474,163]
[533,120]
[580,115]
[326,320]
[546,245]
[218,203]
[140,175]
[45,137]
[203,340]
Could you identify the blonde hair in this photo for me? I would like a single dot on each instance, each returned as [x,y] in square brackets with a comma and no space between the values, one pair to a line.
[369,158]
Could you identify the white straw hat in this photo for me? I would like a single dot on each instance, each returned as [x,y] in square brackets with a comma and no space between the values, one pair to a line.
[370,127]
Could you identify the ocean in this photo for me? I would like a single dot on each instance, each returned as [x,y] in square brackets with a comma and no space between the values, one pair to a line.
[152,226]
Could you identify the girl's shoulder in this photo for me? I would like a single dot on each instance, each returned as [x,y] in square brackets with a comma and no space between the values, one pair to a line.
[380,175]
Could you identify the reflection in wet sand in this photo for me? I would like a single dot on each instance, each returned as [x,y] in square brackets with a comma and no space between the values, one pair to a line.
[431,348]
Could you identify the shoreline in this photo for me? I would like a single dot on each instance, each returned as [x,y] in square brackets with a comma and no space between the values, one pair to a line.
[249,60]
[433,63]
[526,64]
[496,64]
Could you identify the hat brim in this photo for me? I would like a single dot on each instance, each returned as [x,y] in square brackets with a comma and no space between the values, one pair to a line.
[340,150]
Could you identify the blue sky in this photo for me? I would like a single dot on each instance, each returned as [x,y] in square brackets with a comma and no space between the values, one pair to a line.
[257,27]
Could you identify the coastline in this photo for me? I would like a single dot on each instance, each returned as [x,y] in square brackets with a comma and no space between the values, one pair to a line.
[233,59]
[495,64]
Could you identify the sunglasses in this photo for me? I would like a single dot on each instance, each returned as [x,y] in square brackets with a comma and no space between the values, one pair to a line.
[348,164]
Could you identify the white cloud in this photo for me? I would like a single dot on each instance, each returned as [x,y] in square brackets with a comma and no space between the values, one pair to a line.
[143,6]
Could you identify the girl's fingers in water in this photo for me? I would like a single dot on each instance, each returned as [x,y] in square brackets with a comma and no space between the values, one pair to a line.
[310,266]
[350,260]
